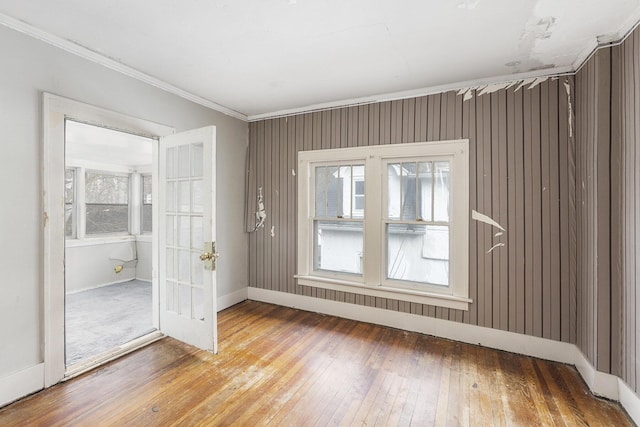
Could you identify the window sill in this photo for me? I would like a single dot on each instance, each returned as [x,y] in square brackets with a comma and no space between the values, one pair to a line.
[431,298]
[92,241]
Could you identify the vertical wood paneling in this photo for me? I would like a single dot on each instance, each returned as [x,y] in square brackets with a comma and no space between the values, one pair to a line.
[471,316]
[631,281]
[546,220]
[616,219]
[537,307]
[554,213]
[519,229]
[528,213]
[516,156]
[503,210]
[496,286]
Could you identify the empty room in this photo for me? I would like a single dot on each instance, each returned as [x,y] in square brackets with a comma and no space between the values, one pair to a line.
[320,212]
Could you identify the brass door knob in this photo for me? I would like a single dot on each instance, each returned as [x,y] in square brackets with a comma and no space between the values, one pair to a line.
[206,256]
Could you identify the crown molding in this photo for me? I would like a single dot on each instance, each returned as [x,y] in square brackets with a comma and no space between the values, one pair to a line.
[394,96]
[88,54]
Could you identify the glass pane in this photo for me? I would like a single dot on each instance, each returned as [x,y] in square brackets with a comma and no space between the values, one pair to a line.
[334,193]
[409,191]
[418,253]
[198,303]
[183,231]
[441,191]
[338,246]
[147,219]
[106,188]
[393,190]
[197,236]
[183,196]
[171,228]
[171,196]
[197,265]
[344,191]
[171,296]
[107,219]
[358,191]
[321,192]
[69,185]
[196,160]
[196,196]
[183,161]
[171,162]
[146,189]
[68,221]
[425,179]
[185,301]
[170,267]
[184,266]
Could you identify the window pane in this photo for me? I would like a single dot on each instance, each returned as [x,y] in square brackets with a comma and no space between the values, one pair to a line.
[425,191]
[69,185]
[146,204]
[338,246]
[146,189]
[69,199]
[358,192]
[334,193]
[441,191]
[103,218]
[147,219]
[106,188]
[68,221]
[344,192]
[409,191]
[183,161]
[197,160]
[418,253]
[393,190]
[321,192]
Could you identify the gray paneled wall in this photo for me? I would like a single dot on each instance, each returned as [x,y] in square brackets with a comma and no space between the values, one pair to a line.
[627,254]
[608,214]
[522,175]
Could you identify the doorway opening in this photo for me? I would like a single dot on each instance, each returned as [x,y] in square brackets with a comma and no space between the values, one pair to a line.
[108,240]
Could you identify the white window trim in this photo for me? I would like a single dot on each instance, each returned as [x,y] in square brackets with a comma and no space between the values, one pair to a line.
[373,282]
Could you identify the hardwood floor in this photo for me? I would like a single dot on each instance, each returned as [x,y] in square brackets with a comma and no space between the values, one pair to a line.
[284,367]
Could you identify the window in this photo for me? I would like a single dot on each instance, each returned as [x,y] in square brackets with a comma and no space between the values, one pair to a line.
[107,203]
[389,221]
[417,221]
[145,218]
[70,222]
[337,222]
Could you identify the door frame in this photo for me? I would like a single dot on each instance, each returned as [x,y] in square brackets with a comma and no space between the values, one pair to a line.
[55,110]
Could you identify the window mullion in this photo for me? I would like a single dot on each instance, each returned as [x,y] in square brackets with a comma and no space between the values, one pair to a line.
[373,232]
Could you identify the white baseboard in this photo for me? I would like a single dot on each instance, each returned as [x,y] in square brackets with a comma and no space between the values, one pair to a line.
[231,299]
[21,383]
[601,384]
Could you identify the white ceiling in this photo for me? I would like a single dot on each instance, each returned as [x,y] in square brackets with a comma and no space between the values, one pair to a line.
[264,57]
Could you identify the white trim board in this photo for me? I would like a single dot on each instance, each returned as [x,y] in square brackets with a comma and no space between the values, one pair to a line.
[229,300]
[600,384]
[20,384]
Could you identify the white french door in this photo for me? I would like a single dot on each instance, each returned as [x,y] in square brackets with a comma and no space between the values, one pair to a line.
[186,237]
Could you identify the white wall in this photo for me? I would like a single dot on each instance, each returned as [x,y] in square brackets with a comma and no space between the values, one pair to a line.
[143,268]
[30,67]
[90,266]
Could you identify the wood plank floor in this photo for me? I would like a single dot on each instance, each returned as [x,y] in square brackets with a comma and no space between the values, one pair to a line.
[284,367]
